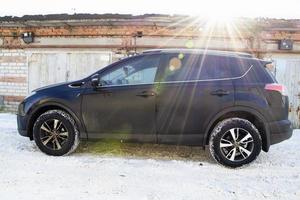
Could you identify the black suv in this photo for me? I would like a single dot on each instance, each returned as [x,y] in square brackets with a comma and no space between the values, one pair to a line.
[226,100]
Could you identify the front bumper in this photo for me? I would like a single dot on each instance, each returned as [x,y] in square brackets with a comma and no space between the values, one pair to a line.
[280,131]
[22,123]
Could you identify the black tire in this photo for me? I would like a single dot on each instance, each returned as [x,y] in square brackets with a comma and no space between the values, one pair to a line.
[63,135]
[228,146]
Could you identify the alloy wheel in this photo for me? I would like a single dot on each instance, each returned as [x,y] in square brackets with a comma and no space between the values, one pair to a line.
[53,134]
[236,144]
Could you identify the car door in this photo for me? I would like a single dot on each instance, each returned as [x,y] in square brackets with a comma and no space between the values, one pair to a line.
[194,88]
[123,106]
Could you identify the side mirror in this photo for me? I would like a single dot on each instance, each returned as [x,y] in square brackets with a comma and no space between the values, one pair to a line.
[95,80]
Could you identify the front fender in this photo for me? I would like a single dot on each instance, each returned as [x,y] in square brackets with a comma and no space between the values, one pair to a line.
[70,102]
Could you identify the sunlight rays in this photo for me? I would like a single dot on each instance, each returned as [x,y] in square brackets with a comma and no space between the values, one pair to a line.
[210,31]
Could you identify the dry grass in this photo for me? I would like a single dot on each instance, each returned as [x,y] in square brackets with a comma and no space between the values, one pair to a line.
[154,151]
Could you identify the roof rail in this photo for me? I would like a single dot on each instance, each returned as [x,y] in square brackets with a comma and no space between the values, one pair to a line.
[200,51]
[152,50]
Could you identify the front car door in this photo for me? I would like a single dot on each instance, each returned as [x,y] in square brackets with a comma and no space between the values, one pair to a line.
[123,106]
[193,89]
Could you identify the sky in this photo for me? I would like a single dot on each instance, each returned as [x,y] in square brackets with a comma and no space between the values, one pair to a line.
[208,8]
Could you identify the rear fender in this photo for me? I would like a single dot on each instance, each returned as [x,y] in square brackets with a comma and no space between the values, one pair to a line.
[257,114]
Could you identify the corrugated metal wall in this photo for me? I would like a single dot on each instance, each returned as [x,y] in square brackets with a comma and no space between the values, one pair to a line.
[53,67]
[288,73]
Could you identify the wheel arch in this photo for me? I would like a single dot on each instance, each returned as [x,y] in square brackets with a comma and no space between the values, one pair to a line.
[52,106]
[242,112]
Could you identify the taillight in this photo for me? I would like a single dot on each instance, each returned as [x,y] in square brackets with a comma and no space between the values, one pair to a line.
[276,87]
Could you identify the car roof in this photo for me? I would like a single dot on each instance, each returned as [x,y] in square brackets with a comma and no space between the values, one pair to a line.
[200,51]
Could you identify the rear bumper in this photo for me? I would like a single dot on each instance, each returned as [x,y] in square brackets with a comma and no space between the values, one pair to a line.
[22,121]
[280,131]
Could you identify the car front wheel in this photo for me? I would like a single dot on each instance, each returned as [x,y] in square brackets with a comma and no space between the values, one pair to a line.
[55,133]
[235,142]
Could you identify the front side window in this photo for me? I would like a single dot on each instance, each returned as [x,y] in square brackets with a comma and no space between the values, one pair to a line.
[140,70]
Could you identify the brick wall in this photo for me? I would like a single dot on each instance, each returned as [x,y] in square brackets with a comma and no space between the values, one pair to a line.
[13,78]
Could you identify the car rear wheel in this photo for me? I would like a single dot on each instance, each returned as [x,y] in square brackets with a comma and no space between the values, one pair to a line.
[55,133]
[235,142]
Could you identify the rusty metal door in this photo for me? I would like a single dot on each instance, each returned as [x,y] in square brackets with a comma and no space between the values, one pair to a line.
[287,72]
[47,68]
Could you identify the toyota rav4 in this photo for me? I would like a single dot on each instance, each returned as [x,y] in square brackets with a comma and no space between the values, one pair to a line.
[226,101]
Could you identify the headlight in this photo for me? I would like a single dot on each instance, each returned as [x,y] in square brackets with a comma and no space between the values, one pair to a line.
[21,109]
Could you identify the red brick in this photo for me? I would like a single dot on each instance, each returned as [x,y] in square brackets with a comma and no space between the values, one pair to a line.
[12,59]
[13,98]
[12,79]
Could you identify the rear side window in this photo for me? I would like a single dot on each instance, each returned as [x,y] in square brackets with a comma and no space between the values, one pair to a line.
[204,67]
[215,67]
[180,67]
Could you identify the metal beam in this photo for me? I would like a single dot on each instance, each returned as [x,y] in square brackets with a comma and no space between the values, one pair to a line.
[140,47]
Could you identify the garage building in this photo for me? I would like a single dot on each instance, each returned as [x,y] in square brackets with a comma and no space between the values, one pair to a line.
[43,49]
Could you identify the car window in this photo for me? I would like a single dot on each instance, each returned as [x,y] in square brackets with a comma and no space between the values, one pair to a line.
[180,67]
[215,67]
[259,74]
[240,66]
[137,70]
[187,67]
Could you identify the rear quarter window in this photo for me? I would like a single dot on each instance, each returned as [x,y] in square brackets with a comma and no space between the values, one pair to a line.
[259,74]
[222,67]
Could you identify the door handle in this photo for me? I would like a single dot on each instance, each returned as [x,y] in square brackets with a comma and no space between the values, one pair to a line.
[220,92]
[146,94]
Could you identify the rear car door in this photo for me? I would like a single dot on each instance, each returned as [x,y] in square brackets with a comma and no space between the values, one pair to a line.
[123,106]
[193,89]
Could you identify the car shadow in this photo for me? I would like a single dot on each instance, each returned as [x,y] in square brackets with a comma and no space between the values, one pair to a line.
[150,151]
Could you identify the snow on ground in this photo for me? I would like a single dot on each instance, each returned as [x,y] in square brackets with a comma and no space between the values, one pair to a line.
[26,173]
